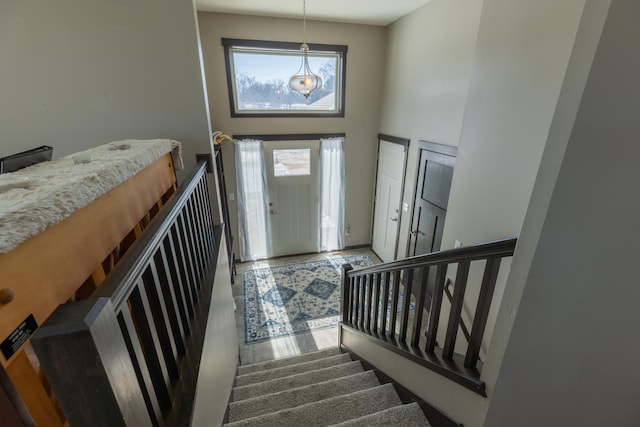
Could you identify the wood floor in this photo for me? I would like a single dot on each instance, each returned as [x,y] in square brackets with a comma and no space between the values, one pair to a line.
[294,344]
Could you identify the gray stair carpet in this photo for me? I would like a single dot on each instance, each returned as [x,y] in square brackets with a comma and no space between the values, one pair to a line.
[294,381]
[278,363]
[316,389]
[409,415]
[285,371]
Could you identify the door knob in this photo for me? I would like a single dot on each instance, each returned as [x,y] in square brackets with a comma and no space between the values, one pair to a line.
[394,219]
[414,232]
[273,212]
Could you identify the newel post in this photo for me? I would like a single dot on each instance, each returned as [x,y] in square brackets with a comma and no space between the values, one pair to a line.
[85,358]
[344,300]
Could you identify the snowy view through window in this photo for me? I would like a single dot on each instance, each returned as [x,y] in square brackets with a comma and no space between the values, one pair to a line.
[262,82]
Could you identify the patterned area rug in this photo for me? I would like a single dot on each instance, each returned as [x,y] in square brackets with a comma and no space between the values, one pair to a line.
[289,299]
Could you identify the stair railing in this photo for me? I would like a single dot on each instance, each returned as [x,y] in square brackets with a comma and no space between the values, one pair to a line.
[398,305]
[120,357]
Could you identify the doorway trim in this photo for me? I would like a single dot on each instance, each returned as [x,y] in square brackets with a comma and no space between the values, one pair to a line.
[447,150]
[291,136]
[405,143]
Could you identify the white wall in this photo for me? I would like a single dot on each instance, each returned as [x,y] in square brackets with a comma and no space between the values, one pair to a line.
[572,355]
[75,74]
[427,72]
[365,60]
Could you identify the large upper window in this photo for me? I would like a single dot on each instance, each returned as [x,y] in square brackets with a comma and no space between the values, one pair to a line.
[258,75]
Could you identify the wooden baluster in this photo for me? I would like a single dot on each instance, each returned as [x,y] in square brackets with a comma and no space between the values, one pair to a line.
[363,292]
[197,207]
[197,232]
[419,309]
[134,347]
[190,239]
[369,301]
[436,306]
[202,233]
[206,214]
[192,246]
[385,303]
[179,287]
[489,279]
[376,302]
[456,309]
[183,268]
[142,316]
[394,304]
[167,286]
[161,321]
[208,211]
[406,304]
[187,253]
[355,298]
[352,301]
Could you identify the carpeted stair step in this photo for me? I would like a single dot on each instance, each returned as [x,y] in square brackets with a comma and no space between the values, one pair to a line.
[301,395]
[329,411]
[293,381]
[286,371]
[277,363]
[409,415]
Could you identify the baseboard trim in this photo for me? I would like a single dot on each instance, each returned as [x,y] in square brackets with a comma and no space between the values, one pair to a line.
[366,246]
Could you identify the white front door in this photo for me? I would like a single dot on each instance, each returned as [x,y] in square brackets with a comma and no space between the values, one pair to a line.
[386,219]
[292,186]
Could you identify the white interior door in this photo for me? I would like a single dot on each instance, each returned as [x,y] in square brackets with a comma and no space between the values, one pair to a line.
[386,219]
[292,185]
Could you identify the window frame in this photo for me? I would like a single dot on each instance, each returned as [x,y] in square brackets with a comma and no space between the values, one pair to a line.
[340,50]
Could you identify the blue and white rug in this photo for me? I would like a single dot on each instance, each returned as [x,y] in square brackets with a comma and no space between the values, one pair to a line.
[289,299]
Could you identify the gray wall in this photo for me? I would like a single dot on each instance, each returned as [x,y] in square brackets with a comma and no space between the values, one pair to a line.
[427,74]
[572,355]
[518,71]
[365,61]
[516,57]
[78,73]
[75,74]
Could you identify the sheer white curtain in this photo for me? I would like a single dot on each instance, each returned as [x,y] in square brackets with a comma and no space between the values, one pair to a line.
[253,224]
[331,233]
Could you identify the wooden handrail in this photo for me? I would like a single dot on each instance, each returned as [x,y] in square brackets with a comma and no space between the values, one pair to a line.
[371,307]
[496,248]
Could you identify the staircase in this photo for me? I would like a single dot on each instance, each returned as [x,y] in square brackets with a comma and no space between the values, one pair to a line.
[317,389]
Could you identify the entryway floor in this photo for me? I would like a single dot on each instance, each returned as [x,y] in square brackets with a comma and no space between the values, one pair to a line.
[295,344]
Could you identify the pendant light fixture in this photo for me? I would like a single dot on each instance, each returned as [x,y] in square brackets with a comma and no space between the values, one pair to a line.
[305,81]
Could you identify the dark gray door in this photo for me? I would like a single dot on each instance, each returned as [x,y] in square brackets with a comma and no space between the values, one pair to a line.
[433,184]
[435,171]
